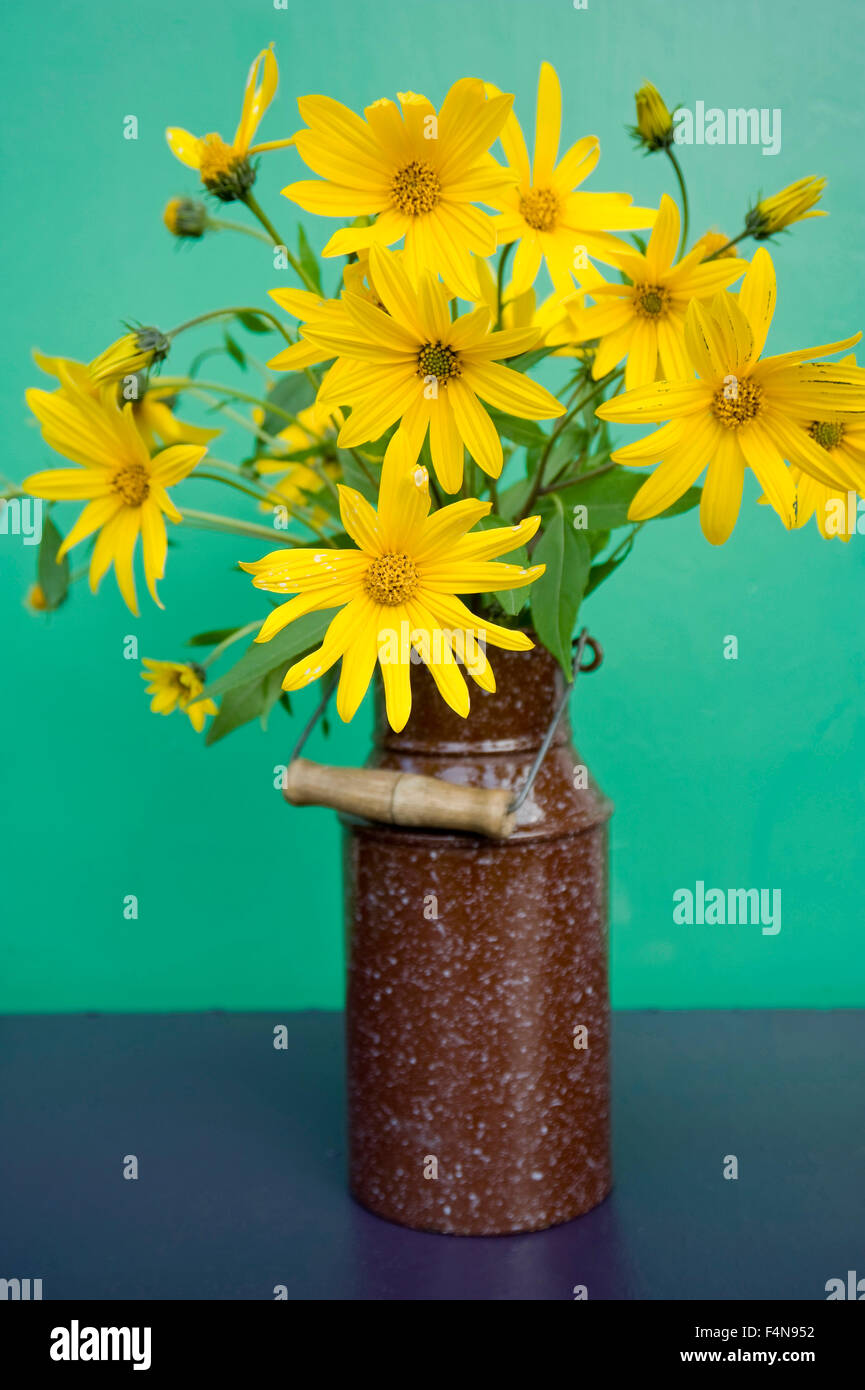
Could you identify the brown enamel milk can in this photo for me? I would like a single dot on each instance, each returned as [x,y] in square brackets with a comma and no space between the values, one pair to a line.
[477,1000]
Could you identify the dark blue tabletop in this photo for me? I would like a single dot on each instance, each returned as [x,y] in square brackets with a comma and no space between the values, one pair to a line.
[241,1154]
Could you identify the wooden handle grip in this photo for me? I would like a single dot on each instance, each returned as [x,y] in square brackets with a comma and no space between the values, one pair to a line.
[400,798]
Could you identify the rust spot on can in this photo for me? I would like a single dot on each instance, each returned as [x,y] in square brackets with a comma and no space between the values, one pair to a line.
[478,1000]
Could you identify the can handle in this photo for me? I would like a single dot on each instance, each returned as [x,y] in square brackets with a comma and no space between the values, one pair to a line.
[400,798]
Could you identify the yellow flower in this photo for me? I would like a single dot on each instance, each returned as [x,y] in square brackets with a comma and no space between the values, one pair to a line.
[645,319]
[654,127]
[136,351]
[714,244]
[793,204]
[844,440]
[176,684]
[740,412]
[397,591]
[185,217]
[297,479]
[550,219]
[124,486]
[154,416]
[418,171]
[225,170]
[36,600]
[412,363]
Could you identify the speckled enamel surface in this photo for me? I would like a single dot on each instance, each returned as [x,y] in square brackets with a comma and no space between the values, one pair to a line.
[472,966]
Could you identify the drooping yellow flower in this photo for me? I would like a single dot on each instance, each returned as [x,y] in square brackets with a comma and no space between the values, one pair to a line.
[835,509]
[544,212]
[178,684]
[225,170]
[397,591]
[137,351]
[419,172]
[793,204]
[654,127]
[644,320]
[740,412]
[152,408]
[124,486]
[413,364]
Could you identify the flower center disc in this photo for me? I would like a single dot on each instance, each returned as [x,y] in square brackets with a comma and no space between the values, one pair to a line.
[438,360]
[415,188]
[828,433]
[132,483]
[217,158]
[737,402]
[650,301]
[391,579]
[540,208]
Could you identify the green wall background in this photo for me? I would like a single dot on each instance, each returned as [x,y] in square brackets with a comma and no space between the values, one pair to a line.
[746,774]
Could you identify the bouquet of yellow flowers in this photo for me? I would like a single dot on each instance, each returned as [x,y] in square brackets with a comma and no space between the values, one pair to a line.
[402,447]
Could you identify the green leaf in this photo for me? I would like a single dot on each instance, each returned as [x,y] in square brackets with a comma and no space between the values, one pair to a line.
[307,258]
[53,578]
[234,350]
[236,708]
[555,598]
[512,601]
[514,498]
[253,323]
[570,445]
[272,691]
[527,360]
[212,638]
[354,476]
[260,658]
[293,391]
[524,432]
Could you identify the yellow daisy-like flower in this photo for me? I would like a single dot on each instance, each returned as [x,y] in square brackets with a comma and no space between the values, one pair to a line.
[545,212]
[178,684]
[124,486]
[645,319]
[793,204]
[156,421]
[297,480]
[413,364]
[137,351]
[740,412]
[417,171]
[397,592]
[224,169]
[836,510]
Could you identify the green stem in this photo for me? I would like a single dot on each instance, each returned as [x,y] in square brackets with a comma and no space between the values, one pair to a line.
[220,225]
[500,279]
[277,240]
[230,313]
[229,641]
[209,521]
[560,426]
[581,478]
[683,241]
[734,242]
[189,383]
